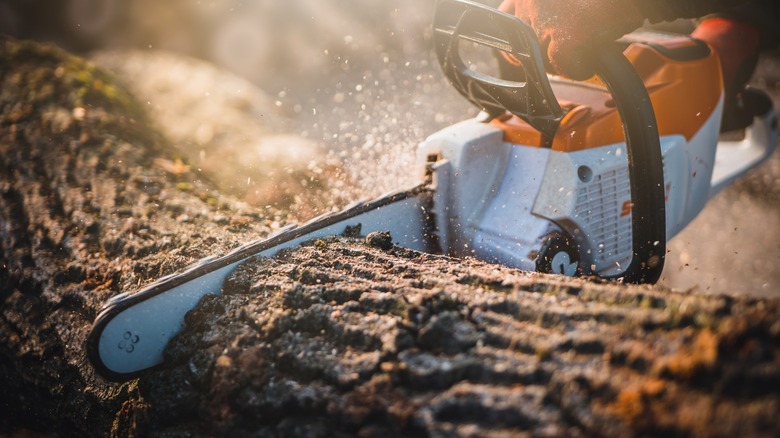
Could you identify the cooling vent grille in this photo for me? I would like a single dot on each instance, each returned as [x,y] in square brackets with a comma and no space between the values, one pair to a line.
[601,214]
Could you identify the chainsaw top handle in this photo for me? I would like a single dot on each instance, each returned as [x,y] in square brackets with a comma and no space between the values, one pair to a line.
[533,101]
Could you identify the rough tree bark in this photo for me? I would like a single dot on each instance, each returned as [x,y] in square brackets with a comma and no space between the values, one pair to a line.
[92,203]
[340,336]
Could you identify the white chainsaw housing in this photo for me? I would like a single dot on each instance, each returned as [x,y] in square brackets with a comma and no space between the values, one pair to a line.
[499,202]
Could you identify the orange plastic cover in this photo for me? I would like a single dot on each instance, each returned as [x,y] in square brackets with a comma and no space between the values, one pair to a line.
[684,95]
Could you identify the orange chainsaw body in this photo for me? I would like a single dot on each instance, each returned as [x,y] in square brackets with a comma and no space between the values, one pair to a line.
[682,77]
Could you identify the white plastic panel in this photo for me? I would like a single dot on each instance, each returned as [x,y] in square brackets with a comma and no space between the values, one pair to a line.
[588,193]
[676,180]
[735,158]
[474,157]
[508,232]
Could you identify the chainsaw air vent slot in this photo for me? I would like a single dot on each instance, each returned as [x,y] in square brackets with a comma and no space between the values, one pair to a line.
[585,173]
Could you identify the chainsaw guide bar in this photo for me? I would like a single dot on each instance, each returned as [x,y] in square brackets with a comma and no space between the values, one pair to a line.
[132,330]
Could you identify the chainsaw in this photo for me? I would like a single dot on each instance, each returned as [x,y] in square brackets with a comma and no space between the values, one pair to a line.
[556,176]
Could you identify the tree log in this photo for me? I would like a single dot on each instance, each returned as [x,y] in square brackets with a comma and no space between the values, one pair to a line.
[337,337]
[86,210]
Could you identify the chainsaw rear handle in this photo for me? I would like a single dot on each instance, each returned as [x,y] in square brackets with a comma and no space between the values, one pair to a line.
[533,101]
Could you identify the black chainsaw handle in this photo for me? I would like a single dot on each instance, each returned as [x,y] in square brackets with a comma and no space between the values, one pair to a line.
[533,101]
